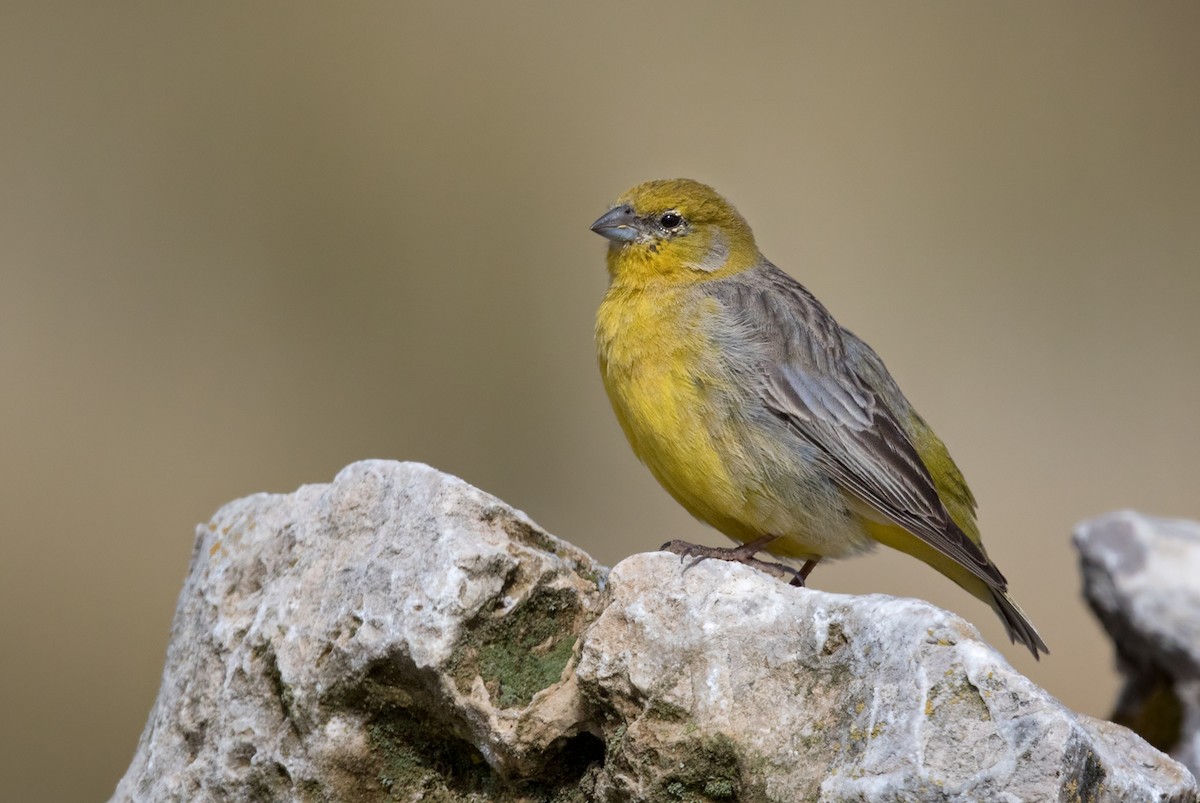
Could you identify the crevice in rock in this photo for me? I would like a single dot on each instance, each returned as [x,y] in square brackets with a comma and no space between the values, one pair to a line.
[519,530]
[193,739]
[420,758]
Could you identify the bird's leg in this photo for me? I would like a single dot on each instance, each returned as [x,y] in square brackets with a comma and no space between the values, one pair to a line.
[740,554]
[802,576]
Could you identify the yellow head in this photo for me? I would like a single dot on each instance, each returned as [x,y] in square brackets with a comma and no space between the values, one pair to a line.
[675,230]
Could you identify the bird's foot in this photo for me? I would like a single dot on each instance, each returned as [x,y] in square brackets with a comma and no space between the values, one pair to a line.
[740,554]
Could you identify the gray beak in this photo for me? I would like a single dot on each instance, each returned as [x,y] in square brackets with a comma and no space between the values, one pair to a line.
[618,224]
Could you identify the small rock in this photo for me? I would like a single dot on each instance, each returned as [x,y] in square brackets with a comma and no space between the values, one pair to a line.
[1142,578]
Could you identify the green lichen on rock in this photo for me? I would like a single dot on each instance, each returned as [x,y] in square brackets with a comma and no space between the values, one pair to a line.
[522,652]
[709,769]
[658,708]
[416,761]
[420,760]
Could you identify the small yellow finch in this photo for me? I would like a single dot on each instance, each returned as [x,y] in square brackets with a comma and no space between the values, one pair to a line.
[760,414]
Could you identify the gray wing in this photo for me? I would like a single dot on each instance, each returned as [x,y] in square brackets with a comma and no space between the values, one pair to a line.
[812,383]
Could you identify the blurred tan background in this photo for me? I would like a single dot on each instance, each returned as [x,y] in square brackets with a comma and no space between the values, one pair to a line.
[243,245]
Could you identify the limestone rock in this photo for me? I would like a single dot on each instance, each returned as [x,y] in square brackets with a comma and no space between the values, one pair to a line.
[725,682]
[400,635]
[1142,579]
[361,640]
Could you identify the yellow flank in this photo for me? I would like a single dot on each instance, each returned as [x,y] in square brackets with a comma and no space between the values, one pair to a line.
[758,413]
[898,538]
[951,487]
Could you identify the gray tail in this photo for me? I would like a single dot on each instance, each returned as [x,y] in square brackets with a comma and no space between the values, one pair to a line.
[1017,624]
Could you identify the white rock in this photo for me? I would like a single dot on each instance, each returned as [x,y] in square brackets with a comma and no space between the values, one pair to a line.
[321,632]
[400,635]
[725,679]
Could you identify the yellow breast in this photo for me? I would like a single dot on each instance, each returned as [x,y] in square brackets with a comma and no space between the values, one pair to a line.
[669,389]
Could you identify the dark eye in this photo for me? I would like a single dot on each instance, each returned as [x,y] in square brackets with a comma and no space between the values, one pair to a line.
[670,220]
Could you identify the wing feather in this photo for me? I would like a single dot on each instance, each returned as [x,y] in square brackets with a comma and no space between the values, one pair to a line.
[809,382]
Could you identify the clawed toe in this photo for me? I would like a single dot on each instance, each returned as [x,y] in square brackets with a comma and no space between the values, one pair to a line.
[682,548]
[740,554]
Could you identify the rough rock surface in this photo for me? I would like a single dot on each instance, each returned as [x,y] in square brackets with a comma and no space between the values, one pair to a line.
[723,680]
[1142,578]
[352,641]
[400,635]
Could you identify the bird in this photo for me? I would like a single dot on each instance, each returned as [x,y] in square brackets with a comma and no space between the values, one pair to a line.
[761,415]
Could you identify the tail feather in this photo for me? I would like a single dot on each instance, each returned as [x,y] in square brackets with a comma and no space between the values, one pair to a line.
[1019,628]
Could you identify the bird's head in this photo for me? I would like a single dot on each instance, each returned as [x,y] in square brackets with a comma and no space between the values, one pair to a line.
[675,230]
